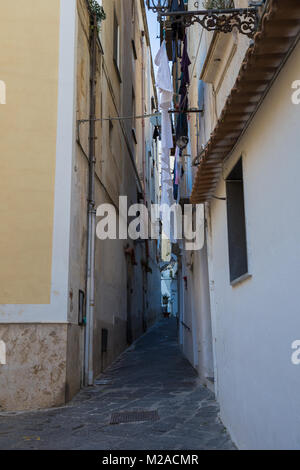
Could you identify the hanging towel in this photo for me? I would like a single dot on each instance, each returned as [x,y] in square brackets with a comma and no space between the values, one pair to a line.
[165,92]
[163,77]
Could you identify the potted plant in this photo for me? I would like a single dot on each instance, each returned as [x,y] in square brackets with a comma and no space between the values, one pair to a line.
[98,11]
[165,301]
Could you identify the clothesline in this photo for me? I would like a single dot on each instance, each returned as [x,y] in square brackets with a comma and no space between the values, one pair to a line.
[121,118]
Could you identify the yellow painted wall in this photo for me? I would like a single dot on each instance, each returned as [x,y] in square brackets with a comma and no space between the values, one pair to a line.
[29,54]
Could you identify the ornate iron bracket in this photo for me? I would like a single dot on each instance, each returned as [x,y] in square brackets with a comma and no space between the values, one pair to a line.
[158,6]
[245,20]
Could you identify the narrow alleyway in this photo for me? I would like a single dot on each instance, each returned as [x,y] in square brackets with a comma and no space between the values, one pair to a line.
[151,375]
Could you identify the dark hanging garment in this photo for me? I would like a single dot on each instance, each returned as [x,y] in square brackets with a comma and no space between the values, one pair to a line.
[174,51]
[177,5]
[185,63]
[182,128]
[175,191]
[177,26]
[178,30]
[185,75]
[182,131]
[175,185]
[156,134]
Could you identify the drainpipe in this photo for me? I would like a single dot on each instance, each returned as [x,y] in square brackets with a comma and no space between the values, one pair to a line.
[143,112]
[143,128]
[90,268]
[144,179]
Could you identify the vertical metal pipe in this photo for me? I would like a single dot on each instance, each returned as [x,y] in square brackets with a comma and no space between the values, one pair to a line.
[143,112]
[145,180]
[143,130]
[90,269]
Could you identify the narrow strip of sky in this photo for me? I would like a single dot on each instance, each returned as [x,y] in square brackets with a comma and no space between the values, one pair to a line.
[153,32]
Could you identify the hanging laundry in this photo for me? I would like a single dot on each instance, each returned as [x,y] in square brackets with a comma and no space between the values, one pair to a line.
[156,133]
[185,63]
[182,130]
[177,28]
[178,165]
[165,92]
[178,6]
[175,191]
[176,173]
[163,77]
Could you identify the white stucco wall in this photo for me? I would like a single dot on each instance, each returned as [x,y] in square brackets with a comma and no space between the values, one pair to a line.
[202,312]
[255,322]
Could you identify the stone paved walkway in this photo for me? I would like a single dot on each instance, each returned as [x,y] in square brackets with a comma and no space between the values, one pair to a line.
[151,375]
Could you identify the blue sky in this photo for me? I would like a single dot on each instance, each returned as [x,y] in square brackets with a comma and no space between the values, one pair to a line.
[153,32]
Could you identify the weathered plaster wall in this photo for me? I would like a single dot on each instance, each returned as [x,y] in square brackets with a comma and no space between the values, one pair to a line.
[52,371]
[39,62]
[74,360]
[119,285]
[35,372]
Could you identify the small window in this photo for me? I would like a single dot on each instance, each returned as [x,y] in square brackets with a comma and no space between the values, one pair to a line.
[133,109]
[152,104]
[134,49]
[104,340]
[111,137]
[110,134]
[81,308]
[236,221]
[117,44]
[133,113]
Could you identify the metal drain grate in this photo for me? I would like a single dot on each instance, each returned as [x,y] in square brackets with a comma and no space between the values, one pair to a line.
[134,416]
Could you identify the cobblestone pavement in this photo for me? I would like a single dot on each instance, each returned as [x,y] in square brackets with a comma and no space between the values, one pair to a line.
[151,375]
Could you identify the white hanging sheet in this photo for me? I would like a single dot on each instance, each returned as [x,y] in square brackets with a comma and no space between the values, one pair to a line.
[165,93]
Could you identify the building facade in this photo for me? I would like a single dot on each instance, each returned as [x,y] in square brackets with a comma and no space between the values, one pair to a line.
[71,303]
[239,294]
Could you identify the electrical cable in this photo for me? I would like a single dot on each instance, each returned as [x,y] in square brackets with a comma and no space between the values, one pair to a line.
[119,118]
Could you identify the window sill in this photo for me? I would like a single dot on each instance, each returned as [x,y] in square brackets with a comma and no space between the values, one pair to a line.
[241,279]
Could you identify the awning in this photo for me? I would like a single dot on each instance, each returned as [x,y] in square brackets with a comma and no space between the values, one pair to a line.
[278,34]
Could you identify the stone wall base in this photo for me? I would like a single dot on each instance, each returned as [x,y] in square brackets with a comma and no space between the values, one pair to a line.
[37,374]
